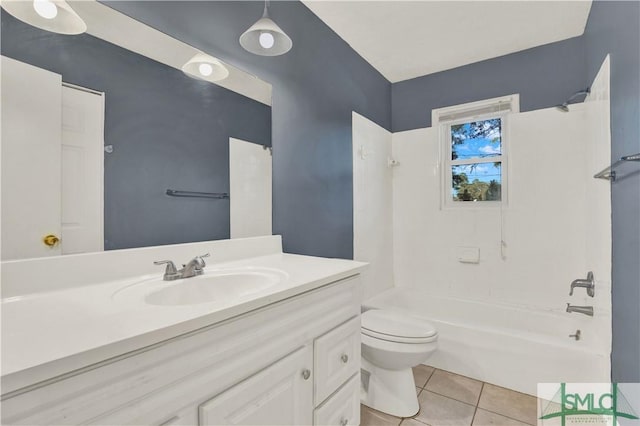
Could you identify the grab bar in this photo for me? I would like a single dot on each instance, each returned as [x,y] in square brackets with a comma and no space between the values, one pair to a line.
[195,194]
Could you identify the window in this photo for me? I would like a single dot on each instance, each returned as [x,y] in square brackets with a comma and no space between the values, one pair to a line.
[474,149]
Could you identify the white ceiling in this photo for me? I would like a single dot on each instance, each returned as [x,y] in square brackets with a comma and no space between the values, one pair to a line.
[407,39]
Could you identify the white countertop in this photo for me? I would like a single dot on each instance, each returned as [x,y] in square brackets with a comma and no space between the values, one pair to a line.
[46,334]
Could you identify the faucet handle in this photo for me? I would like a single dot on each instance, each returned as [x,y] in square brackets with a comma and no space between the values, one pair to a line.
[171,267]
[201,263]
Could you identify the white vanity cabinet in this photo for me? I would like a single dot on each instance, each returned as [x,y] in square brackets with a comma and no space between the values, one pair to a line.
[293,362]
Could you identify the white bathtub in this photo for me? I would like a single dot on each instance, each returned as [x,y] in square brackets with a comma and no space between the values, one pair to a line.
[512,346]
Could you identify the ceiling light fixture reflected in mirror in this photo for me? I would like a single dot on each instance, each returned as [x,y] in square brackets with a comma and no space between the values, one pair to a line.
[265,37]
[205,67]
[50,15]
[45,8]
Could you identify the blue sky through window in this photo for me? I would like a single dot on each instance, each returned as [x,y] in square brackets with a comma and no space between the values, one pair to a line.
[479,139]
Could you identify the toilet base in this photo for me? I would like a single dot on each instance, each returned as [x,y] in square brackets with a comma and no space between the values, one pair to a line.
[390,391]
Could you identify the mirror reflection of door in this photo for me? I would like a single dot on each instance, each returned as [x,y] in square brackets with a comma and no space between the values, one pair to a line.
[52,164]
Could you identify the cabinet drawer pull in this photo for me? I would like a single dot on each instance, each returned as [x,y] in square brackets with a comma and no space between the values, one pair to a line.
[344,421]
[306,373]
[344,358]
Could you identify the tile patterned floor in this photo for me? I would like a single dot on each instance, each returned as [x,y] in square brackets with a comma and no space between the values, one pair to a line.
[448,399]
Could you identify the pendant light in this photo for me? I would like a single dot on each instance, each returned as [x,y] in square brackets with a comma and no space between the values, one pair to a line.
[205,67]
[50,15]
[265,37]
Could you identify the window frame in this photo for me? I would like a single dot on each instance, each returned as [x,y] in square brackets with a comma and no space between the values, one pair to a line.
[469,112]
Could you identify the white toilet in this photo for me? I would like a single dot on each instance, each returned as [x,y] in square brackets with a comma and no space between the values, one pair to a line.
[393,343]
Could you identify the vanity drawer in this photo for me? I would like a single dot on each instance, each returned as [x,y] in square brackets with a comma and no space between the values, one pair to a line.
[343,408]
[337,357]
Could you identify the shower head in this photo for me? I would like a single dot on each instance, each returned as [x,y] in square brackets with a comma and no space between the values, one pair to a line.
[564,107]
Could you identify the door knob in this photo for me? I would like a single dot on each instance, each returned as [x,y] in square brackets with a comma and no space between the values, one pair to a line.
[51,240]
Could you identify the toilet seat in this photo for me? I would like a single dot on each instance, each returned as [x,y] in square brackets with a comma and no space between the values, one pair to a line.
[396,327]
[399,339]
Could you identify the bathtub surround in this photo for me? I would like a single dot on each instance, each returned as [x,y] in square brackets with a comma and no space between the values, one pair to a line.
[251,185]
[548,245]
[372,204]
[614,28]
[556,226]
[546,240]
[158,121]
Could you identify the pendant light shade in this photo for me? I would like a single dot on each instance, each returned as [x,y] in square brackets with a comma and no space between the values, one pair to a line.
[50,15]
[205,67]
[265,37]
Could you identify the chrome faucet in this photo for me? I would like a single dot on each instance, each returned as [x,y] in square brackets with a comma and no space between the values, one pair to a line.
[194,267]
[589,284]
[586,310]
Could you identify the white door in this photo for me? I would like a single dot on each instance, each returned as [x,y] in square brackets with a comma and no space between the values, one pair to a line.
[281,394]
[82,171]
[31,144]
[52,164]
[250,189]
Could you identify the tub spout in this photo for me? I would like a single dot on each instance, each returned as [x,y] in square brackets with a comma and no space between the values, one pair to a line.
[586,310]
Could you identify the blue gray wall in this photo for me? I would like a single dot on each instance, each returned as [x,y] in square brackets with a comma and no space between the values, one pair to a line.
[167,130]
[614,28]
[543,76]
[316,86]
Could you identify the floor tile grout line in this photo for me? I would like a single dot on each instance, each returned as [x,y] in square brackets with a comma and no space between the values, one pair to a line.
[454,374]
[477,402]
[500,414]
[508,417]
[462,375]
[510,390]
[449,397]
[428,378]
[433,371]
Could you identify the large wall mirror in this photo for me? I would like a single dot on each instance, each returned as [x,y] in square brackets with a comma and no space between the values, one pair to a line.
[108,144]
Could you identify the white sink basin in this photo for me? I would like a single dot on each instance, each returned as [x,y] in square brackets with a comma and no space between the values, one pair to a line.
[214,286]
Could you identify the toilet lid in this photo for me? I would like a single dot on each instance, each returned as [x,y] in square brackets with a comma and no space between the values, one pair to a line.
[390,323]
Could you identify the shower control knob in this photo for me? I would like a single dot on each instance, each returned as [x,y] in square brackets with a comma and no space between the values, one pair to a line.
[306,373]
[344,358]
[344,421]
